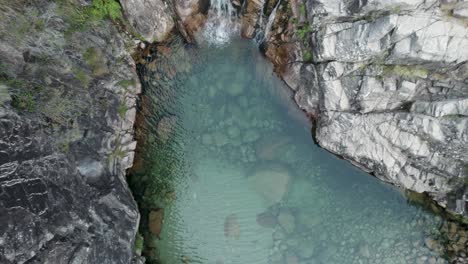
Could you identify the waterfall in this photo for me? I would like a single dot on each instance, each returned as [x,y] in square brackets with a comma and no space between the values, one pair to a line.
[221,23]
[271,19]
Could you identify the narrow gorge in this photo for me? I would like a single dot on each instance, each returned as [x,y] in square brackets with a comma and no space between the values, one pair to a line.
[198,131]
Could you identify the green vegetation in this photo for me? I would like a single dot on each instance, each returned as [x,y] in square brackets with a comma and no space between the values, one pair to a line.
[405,71]
[95,60]
[81,76]
[24,101]
[302,9]
[101,9]
[307,56]
[81,18]
[122,110]
[139,243]
[303,31]
[126,83]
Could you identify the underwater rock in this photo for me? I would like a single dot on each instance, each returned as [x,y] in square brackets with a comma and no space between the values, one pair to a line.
[271,182]
[155,221]
[235,89]
[166,127]
[266,219]
[291,258]
[231,227]
[267,148]
[287,220]
[233,132]
[220,139]
[251,135]
[207,139]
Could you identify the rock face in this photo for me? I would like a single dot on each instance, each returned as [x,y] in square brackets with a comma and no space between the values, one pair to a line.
[152,19]
[387,85]
[66,124]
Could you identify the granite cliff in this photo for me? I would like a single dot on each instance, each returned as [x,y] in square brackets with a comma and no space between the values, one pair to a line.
[384,81]
[68,88]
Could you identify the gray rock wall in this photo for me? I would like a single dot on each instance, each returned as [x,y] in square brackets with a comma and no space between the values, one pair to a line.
[68,90]
[387,84]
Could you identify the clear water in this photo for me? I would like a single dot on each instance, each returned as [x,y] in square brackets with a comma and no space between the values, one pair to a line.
[240,149]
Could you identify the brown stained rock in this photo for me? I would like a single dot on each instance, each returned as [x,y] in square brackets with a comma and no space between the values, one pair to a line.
[194,23]
[231,227]
[155,221]
[166,127]
[250,17]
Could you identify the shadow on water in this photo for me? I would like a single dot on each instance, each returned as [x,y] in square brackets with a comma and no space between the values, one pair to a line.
[226,161]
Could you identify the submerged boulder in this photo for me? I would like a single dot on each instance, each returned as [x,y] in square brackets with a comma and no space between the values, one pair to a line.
[155,221]
[231,227]
[266,219]
[166,127]
[271,182]
[268,147]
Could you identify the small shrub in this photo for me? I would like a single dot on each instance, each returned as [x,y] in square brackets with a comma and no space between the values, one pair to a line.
[303,31]
[307,56]
[139,243]
[24,101]
[82,77]
[101,9]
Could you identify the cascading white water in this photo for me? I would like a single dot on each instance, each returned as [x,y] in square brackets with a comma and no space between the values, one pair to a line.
[222,22]
[271,19]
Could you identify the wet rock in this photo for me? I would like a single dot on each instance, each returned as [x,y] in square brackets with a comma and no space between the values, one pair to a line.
[233,132]
[152,19]
[432,244]
[231,227]
[166,127]
[251,135]
[266,219]
[272,183]
[207,139]
[287,220]
[220,139]
[364,250]
[235,89]
[291,258]
[155,221]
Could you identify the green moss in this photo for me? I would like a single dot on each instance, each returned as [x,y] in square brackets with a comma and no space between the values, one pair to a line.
[139,243]
[307,56]
[126,83]
[406,71]
[302,9]
[24,101]
[122,110]
[303,31]
[39,25]
[81,76]
[101,9]
[82,18]
[93,57]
